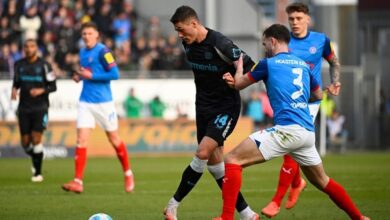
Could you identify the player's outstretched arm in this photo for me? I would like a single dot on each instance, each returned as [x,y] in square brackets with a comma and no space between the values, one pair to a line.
[229,79]
[241,81]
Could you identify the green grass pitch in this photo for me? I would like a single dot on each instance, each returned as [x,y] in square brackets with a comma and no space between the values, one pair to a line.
[366,177]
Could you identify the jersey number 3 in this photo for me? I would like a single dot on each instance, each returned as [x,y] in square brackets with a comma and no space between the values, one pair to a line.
[298,82]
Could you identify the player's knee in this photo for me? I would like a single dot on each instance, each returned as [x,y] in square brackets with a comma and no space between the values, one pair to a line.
[203,154]
[231,158]
[38,148]
[198,164]
[217,170]
[320,182]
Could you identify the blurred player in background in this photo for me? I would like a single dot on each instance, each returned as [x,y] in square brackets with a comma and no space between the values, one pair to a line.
[97,69]
[210,55]
[35,79]
[289,85]
[311,47]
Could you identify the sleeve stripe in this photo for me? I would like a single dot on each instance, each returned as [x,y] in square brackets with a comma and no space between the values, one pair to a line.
[330,56]
[315,88]
[250,77]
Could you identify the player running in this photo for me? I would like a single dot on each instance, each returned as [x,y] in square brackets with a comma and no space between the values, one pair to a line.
[311,47]
[35,80]
[210,55]
[288,82]
[98,68]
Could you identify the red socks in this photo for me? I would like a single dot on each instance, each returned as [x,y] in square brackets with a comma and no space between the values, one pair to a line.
[288,172]
[80,160]
[121,153]
[339,196]
[230,188]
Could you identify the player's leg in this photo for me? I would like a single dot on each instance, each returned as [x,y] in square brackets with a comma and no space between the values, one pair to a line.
[85,123]
[25,121]
[190,176]
[311,165]
[25,124]
[286,175]
[216,167]
[121,152]
[40,120]
[106,117]
[245,154]
[317,176]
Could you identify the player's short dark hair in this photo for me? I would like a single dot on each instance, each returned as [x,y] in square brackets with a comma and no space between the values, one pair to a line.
[297,7]
[89,25]
[30,40]
[279,32]
[183,13]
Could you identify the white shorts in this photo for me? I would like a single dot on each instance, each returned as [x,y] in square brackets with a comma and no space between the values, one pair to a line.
[290,139]
[104,113]
[313,109]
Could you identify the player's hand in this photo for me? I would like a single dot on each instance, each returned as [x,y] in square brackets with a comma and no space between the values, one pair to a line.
[76,77]
[239,63]
[229,79]
[85,73]
[14,94]
[334,88]
[34,92]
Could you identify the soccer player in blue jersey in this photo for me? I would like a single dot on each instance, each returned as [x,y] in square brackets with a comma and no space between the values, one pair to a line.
[311,47]
[289,85]
[97,69]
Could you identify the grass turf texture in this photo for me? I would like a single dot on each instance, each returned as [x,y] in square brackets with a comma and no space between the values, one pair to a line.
[366,178]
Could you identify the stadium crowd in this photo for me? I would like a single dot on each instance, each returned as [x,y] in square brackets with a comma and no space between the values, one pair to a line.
[56,26]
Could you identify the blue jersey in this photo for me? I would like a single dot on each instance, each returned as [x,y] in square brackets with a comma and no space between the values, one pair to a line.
[288,81]
[101,63]
[312,48]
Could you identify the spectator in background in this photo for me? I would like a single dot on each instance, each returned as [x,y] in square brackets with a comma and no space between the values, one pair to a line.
[337,134]
[30,23]
[13,15]
[6,32]
[255,110]
[103,20]
[16,54]
[121,26]
[6,62]
[153,29]
[157,108]
[133,105]
[267,109]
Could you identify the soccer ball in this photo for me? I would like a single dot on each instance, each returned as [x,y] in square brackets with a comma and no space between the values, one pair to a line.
[100,216]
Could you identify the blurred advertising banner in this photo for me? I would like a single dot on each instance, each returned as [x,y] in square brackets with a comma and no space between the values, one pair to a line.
[140,136]
[177,94]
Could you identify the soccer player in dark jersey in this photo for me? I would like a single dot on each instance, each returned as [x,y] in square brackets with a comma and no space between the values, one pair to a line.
[34,79]
[311,47]
[210,55]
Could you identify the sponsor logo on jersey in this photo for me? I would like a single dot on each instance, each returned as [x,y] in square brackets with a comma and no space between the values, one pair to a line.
[208,55]
[312,50]
[38,69]
[236,52]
